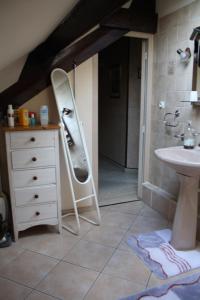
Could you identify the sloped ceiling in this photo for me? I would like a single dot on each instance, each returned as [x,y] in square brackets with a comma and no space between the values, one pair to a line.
[58,50]
[165,7]
[24,24]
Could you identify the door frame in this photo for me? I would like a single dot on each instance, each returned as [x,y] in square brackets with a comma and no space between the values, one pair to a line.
[145,111]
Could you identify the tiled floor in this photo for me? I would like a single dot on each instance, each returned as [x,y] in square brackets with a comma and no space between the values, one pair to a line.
[115,184]
[97,265]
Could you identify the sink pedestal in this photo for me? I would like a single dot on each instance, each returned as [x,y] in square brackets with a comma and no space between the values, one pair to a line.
[185,221]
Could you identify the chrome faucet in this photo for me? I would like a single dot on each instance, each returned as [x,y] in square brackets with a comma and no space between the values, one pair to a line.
[180,136]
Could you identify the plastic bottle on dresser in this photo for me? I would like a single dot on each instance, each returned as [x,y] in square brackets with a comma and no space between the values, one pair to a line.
[11,122]
[44,115]
[23,117]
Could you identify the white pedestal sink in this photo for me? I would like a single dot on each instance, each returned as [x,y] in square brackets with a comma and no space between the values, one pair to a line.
[186,163]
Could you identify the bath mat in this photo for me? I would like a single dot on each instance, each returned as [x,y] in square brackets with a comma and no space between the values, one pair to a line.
[160,257]
[183,289]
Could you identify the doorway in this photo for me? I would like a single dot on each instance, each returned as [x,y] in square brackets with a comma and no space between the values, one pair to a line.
[120,67]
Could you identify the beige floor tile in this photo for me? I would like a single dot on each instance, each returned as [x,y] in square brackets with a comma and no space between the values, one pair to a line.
[35,295]
[127,266]
[9,253]
[10,290]
[118,219]
[129,208]
[38,230]
[68,282]
[91,213]
[28,268]
[89,255]
[119,198]
[111,288]
[106,235]
[124,246]
[51,244]
[71,222]
[149,212]
[145,224]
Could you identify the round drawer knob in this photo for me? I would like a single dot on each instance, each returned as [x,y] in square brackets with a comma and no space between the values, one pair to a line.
[36,196]
[32,139]
[37,213]
[35,178]
[34,158]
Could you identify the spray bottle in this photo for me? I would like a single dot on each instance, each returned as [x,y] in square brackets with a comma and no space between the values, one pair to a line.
[10,114]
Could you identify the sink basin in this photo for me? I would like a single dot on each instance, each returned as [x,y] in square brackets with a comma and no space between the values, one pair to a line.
[183,161]
[186,163]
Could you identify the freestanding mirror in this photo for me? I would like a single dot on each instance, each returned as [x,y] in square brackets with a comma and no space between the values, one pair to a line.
[74,146]
[72,128]
[196,66]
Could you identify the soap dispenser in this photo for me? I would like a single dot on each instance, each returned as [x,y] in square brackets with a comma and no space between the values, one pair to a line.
[189,138]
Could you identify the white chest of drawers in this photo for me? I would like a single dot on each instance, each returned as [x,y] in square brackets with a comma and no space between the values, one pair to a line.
[34,177]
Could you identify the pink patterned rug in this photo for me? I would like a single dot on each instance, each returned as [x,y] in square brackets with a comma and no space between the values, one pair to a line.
[183,289]
[160,257]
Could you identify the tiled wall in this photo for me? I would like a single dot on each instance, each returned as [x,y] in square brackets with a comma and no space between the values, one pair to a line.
[174,32]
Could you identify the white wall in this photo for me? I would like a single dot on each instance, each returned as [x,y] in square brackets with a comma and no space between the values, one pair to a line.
[165,7]
[25,24]
[134,95]
[11,73]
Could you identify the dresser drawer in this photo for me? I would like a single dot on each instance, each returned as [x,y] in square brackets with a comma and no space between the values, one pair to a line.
[35,195]
[32,139]
[36,212]
[33,158]
[34,177]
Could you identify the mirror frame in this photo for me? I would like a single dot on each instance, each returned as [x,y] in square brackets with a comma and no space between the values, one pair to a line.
[196,64]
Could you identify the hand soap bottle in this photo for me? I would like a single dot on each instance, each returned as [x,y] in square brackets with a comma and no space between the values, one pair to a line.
[189,138]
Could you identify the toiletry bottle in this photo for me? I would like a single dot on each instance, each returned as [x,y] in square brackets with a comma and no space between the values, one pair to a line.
[44,117]
[32,120]
[10,112]
[23,117]
[189,138]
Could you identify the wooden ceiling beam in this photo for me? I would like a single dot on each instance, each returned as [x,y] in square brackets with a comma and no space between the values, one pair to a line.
[36,74]
[84,16]
[144,6]
[132,20]
[38,79]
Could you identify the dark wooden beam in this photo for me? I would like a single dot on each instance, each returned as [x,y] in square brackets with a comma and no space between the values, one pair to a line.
[132,20]
[36,74]
[84,16]
[144,6]
[39,79]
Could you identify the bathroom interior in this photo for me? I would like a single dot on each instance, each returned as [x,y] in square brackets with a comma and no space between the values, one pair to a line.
[126,225]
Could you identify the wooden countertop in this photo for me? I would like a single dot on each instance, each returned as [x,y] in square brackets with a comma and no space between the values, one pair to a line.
[30,128]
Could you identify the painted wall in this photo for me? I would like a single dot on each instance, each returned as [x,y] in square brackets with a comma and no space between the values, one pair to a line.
[134,103]
[10,74]
[172,84]
[25,24]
